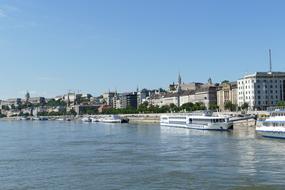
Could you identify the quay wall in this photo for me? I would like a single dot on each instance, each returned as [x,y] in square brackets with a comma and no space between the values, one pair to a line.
[155,118]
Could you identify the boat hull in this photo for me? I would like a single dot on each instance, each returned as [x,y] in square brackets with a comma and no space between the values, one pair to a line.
[112,121]
[221,127]
[271,134]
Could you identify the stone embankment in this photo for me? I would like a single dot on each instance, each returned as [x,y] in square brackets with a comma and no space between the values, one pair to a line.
[142,118]
[155,118]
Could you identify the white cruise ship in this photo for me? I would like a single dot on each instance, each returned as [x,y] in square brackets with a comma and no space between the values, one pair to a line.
[200,121]
[274,126]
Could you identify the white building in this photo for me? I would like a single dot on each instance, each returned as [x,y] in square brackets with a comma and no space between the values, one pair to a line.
[261,89]
[108,98]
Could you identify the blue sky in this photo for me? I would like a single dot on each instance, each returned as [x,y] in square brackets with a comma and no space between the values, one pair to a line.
[51,46]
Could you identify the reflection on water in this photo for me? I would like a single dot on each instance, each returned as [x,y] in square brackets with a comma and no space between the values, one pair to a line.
[67,155]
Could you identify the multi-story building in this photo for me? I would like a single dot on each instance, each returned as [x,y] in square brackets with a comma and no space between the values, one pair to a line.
[172,98]
[117,101]
[206,94]
[185,86]
[69,97]
[155,99]
[37,100]
[226,91]
[261,89]
[12,101]
[108,98]
[186,97]
[141,96]
[129,100]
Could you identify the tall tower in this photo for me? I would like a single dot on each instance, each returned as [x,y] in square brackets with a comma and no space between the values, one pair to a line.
[178,90]
[210,81]
[179,83]
[270,61]
[27,96]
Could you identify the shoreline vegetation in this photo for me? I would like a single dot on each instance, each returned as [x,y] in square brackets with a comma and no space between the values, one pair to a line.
[59,108]
[145,113]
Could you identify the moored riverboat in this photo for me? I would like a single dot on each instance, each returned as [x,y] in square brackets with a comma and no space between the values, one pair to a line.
[274,126]
[200,121]
[111,119]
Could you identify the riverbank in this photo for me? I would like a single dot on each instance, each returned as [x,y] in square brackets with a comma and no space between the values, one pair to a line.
[138,118]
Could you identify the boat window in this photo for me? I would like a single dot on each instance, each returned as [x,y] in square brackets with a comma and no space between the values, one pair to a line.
[190,120]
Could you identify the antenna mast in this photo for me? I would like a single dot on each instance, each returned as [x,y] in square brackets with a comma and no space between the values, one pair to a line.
[270,61]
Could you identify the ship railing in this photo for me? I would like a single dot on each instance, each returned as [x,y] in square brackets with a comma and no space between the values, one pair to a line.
[194,113]
[276,108]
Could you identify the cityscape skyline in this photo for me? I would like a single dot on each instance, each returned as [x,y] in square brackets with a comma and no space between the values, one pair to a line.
[48,51]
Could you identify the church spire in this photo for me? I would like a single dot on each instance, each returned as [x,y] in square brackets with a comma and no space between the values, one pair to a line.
[179,79]
[179,84]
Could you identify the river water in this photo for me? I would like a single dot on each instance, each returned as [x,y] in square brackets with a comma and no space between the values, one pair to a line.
[68,155]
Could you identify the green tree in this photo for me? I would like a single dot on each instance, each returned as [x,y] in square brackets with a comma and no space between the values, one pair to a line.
[187,106]
[55,103]
[199,106]
[24,114]
[164,109]
[281,103]
[2,115]
[213,106]
[244,106]
[13,107]
[143,108]
[72,112]
[230,106]
[173,107]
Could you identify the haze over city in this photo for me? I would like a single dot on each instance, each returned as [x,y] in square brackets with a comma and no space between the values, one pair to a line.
[51,47]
